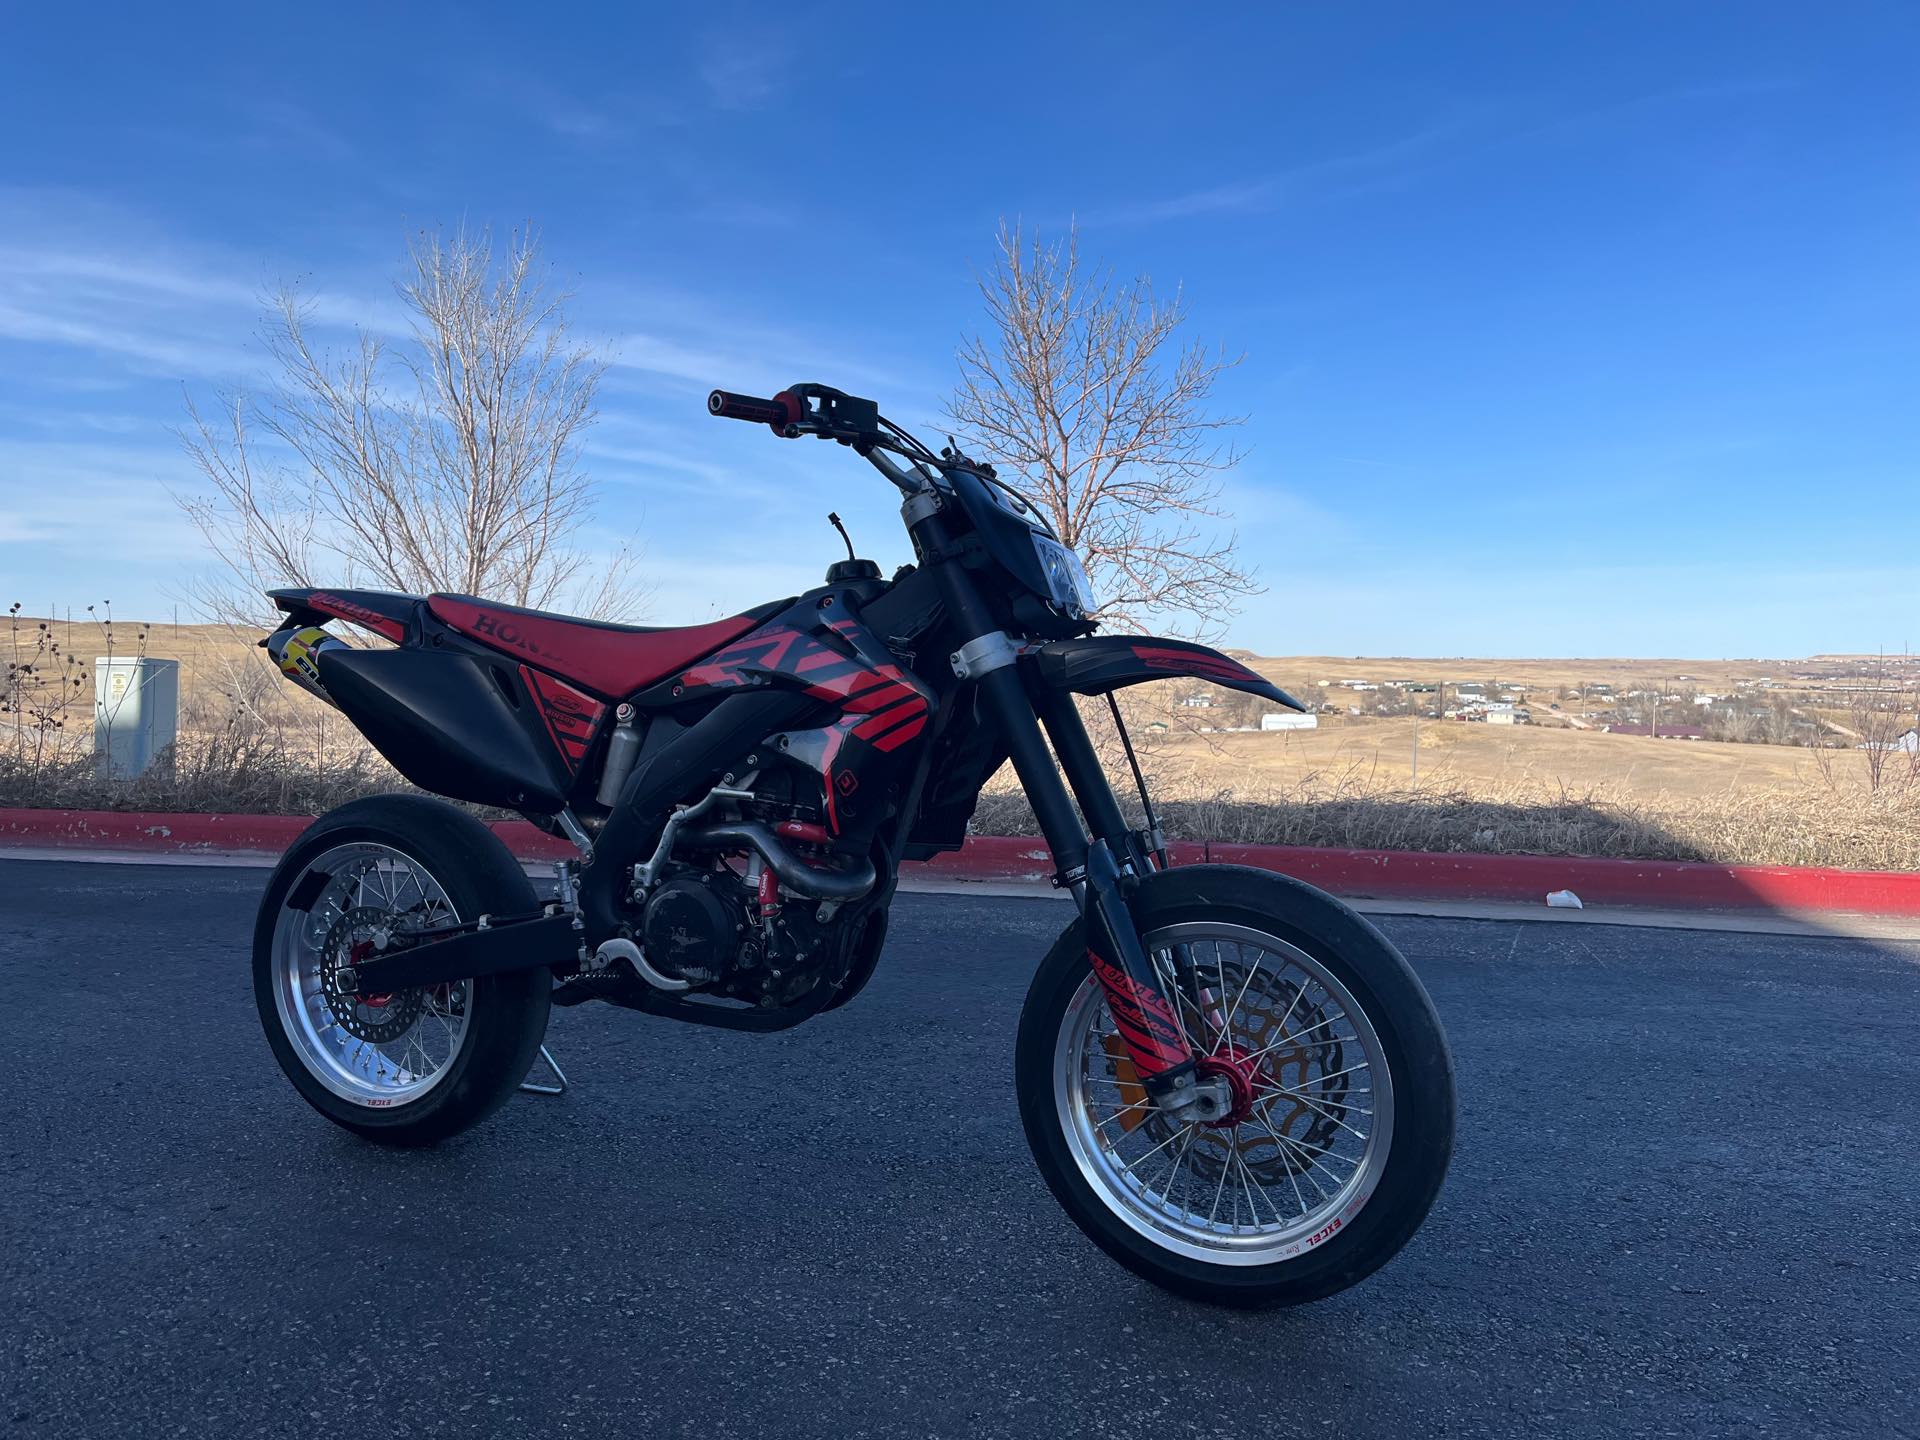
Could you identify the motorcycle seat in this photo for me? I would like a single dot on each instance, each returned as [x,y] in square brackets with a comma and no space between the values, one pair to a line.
[611,661]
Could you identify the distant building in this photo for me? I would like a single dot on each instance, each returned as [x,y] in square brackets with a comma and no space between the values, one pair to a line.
[1287,720]
[1667,732]
[1908,743]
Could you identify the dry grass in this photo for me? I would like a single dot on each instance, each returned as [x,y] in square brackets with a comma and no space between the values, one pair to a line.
[1492,758]
[252,744]
[234,774]
[1810,825]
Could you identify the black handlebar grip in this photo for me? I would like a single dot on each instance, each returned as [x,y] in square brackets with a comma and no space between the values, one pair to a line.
[778,412]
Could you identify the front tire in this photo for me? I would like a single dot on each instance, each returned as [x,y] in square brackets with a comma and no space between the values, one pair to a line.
[1343,1123]
[422,1065]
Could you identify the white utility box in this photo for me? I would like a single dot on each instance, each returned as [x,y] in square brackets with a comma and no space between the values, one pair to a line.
[136,712]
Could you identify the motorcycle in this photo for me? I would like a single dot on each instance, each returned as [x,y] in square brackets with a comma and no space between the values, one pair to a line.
[1231,1082]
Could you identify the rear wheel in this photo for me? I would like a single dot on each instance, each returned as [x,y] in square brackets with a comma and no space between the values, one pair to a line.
[1342,1118]
[415,1066]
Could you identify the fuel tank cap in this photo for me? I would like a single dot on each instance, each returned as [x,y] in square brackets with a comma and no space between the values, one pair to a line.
[842,571]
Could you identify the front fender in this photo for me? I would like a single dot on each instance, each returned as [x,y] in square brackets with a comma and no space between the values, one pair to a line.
[1099,663]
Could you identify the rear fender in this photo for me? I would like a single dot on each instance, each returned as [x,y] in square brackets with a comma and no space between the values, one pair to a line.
[1101,663]
[385,613]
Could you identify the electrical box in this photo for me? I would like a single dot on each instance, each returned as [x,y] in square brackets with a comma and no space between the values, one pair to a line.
[136,712]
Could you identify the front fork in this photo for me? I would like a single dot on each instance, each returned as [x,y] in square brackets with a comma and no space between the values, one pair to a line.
[1142,1008]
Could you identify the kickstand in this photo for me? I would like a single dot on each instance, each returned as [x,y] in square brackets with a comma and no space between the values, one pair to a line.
[535,1088]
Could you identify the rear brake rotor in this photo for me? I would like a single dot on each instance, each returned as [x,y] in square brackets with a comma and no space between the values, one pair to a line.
[376,1019]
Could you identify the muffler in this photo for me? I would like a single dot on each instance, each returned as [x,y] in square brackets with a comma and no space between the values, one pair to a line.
[298,652]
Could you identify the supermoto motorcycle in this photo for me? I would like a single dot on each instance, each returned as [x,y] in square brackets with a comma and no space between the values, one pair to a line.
[1230,1081]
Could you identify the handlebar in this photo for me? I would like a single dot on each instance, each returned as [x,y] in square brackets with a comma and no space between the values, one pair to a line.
[778,413]
[831,414]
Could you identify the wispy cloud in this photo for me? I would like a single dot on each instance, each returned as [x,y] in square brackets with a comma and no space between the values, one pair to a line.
[58,494]
[93,278]
[282,123]
[1484,126]
[1264,192]
[742,75]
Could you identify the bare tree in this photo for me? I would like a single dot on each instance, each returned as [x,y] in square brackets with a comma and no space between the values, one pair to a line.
[447,461]
[1883,712]
[1083,388]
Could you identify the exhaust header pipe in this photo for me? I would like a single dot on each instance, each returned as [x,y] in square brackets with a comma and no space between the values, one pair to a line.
[795,874]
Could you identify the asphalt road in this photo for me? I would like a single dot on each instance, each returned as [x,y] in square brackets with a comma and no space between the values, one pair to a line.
[1683,1203]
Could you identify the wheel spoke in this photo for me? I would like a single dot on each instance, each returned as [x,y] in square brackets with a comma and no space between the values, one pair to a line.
[1174,1173]
[369,1054]
[1226,1024]
[1328,1115]
[1232,1009]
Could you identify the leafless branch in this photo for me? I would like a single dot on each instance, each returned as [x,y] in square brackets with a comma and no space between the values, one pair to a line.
[1082,388]
[451,463]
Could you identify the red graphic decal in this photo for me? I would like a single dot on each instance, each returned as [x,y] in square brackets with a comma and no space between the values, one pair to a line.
[1145,1021]
[1205,663]
[381,625]
[880,704]
[569,716]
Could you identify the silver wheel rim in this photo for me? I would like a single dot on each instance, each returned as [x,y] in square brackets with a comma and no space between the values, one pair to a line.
[1291,1174]
[362,879]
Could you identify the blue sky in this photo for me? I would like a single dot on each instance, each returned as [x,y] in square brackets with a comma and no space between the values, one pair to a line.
[1580,329]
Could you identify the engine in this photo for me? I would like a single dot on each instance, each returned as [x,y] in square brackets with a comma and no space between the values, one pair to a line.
[749,900]
[694,924]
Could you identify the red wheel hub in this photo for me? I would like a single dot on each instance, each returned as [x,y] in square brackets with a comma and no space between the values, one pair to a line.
[1240,1071]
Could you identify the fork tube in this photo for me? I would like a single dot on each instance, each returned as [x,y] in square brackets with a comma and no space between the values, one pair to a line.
[1141,1010]
[1007,701]
[1085,774]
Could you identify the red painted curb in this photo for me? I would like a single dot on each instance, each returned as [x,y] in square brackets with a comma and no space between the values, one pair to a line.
[1371,874]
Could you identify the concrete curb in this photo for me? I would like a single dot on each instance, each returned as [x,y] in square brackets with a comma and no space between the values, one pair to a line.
[1361,874]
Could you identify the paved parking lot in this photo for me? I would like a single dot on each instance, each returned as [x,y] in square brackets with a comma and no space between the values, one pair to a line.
[1683,1203]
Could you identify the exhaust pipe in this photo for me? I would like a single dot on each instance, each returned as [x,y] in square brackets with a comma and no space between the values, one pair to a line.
[795,874]
[298,652]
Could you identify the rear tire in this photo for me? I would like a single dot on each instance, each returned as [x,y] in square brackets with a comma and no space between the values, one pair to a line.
[1363,1168]
[401,1090]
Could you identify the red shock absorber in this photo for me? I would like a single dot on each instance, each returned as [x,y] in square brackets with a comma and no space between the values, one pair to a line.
[769,894]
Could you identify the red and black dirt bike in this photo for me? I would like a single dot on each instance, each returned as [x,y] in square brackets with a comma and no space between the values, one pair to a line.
[1232,1082]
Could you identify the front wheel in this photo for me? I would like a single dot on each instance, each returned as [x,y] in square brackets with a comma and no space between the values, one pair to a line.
[1342,1122]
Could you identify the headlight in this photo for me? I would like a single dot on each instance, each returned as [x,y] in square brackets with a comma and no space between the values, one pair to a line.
[1067,583]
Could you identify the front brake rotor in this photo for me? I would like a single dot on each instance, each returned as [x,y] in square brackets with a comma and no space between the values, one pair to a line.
[1257,1051]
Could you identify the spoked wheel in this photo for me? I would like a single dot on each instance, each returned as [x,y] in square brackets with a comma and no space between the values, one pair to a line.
[376,1050]
[1304,1138]
[417,1065]
[1342,1106]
